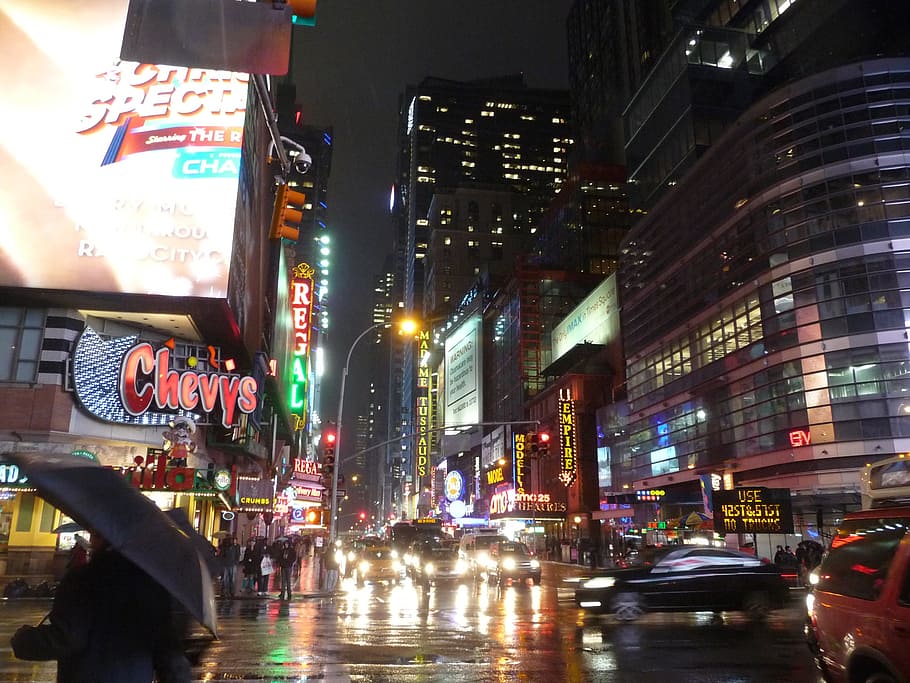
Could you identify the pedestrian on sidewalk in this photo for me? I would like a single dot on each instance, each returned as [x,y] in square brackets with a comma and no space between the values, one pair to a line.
[330,564]
[246,562]
[229,553]
[286,558]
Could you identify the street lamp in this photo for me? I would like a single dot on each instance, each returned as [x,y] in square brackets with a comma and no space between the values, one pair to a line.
[407,327]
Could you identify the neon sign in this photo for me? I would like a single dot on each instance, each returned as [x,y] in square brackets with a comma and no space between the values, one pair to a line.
[301,316]
[146,380]
[568,448]
[800,437]
[519,440]
[423,407]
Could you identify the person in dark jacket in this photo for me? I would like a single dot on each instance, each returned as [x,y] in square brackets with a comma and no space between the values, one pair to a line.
[110,623]
[287,560]
[229,554]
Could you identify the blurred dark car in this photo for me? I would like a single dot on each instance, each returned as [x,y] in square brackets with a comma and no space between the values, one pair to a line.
[511,561]
[687,579]
[439,564]
[859,608]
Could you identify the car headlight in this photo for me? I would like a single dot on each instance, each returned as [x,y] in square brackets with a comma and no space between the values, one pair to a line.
[395,554]
[508,563]
[813,578]
[396,566]
[482,558]
[600,582]
[352,556]
[364,567]
[461,566]
[810,603]
[429,568]
[535,564]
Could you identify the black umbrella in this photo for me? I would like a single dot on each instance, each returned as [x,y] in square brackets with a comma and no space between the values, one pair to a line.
[99,498]
[206,549]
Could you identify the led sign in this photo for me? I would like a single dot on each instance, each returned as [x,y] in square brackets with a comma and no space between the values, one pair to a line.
[650,495]
[753,509]
[301,302]
[800,437]
[568,448]
[454,485]
[423,408]
[146,379]
[120,380]
[519,441]
[141,195]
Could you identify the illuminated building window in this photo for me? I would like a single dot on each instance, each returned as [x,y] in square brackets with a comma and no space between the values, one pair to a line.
[447,240]
[21,333]
[487,113]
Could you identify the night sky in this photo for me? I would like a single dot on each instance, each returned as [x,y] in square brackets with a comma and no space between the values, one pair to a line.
[350,70]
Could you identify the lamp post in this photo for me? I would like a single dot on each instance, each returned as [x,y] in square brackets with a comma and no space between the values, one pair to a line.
[333,523]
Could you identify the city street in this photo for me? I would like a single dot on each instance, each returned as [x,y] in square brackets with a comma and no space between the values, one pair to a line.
[468,633]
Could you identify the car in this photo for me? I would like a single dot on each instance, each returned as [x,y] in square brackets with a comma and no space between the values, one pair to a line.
[439,564]
[511,561]
[685,579]
[858,626]
[474,549]
[378,564]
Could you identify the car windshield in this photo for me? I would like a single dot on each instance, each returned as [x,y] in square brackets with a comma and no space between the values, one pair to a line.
[860,556]
[443,553]
[516,548]
[486,541]
[378,553]
[689,558]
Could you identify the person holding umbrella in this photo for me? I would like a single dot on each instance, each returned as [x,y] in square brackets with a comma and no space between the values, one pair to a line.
[110,623]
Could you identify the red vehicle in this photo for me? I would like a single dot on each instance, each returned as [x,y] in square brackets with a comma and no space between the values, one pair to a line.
[859,609]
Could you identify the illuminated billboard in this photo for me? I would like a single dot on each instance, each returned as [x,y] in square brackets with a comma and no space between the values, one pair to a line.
[462,374]
[594,321]
[118,177]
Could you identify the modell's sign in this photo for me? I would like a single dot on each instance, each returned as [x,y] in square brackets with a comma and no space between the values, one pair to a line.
[124,380]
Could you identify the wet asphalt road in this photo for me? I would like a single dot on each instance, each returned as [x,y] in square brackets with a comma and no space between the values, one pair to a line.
[472,633]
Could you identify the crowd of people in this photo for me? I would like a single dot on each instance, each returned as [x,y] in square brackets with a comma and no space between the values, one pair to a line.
[806,557]
[258,562]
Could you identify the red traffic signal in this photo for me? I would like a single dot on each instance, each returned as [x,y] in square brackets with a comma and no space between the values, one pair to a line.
[330,437]
[363,516]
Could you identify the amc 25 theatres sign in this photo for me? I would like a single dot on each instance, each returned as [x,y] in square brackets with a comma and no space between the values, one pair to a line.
[124,380]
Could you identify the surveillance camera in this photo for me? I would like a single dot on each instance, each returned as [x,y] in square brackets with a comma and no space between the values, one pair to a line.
[303,162]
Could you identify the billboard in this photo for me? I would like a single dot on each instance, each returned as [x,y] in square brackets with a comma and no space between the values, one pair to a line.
[594,321]
[128,171]
[462,374]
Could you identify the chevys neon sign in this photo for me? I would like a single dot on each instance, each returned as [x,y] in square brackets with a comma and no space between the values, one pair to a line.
[568,449]
[146,380]
[301,317]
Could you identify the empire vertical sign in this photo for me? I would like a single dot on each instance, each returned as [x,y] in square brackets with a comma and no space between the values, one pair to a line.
[301,316]
[568,441]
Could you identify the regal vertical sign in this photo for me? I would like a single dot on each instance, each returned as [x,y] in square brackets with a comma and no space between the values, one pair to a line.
[568,441]
[301,315]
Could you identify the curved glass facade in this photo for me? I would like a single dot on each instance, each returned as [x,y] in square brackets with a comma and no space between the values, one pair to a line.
[766,301]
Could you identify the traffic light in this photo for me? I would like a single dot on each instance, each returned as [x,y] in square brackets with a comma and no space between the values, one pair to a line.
[329,437]
[286,215]
[314,517]
[543,443]
[533,443]
[304,12]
